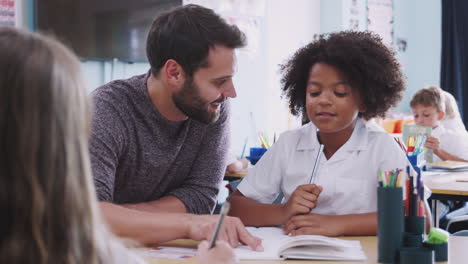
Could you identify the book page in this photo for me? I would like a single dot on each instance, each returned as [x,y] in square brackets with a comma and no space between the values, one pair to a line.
[280,246]
[271,242]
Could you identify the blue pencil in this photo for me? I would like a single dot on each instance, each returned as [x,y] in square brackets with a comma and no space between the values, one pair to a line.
[316,165]
[243,148]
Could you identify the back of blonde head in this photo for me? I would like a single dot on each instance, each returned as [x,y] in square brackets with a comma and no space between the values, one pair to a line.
[49,212]
[451,106]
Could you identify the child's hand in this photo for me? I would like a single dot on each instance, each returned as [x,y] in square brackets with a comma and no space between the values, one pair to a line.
[432,143]
[302,200]
[315,224]
[221,253]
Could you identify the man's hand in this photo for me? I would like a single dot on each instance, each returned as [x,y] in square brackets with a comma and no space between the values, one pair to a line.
[315,224]
[302,200]
[201,227]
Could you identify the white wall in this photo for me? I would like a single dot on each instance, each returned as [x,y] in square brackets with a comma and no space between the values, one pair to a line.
[416,21]
[283,28]
[420,22]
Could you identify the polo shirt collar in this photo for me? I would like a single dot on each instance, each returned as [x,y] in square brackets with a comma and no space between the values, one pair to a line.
[358,141]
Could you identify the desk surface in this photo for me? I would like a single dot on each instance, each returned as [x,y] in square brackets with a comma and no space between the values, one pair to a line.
[229,176]
[369,245]
[451,183]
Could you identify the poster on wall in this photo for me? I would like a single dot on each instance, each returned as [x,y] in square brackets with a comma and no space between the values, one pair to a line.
[7,12]
[380,19]
[354,15]
[245,14]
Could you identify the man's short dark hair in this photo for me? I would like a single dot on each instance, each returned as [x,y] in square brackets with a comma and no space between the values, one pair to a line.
[186,34]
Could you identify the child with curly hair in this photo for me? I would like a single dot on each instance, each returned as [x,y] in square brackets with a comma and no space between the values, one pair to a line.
[339,80]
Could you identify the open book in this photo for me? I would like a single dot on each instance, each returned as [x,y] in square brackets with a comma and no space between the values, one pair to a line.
[279,246]
[448,165]
[415,130]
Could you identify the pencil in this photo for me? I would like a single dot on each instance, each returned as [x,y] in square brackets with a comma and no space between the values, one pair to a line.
[224,210]
[243,148]
[316,164]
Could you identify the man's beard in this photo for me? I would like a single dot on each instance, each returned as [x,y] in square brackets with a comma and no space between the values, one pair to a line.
[189,102]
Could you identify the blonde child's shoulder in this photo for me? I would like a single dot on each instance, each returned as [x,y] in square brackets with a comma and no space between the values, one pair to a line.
[380,137]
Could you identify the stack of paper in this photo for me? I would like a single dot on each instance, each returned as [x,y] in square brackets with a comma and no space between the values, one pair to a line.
[448,165]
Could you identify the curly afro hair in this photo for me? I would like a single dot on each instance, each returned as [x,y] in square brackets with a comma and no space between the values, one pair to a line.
[368,65]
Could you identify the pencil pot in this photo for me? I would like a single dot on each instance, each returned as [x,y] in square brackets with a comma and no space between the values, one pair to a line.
[417,161]
[440,250]
[412,239]
[414,224]
[390,223]
[416,255]
[256,154]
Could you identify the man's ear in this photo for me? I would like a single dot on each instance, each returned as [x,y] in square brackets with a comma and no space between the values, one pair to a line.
[441,115]
[173,72]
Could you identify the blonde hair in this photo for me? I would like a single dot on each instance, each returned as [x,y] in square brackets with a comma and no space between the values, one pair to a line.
[429,96]
[451,106]
[47,197]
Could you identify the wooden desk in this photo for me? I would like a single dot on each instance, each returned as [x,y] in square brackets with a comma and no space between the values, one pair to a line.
[369,244]
[234,176]
[446,186]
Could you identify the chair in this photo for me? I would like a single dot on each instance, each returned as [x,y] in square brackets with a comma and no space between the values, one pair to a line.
[457,220]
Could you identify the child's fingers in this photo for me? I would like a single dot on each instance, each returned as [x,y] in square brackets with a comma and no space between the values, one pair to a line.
[306,231]
[299,221]
[307,204]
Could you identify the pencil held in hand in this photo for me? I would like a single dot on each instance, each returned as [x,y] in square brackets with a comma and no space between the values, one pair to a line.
[224,211]
[316,165]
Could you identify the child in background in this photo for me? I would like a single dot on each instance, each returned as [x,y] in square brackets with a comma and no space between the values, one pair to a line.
[235,165]
[428,106]
[339,80]
[452,119]
[48,201]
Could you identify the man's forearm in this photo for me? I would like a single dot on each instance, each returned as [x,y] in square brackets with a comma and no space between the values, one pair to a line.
[144,227]
[167,204]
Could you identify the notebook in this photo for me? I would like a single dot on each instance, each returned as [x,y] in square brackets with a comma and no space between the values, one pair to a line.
[448,165]
[415,130]
[278,246]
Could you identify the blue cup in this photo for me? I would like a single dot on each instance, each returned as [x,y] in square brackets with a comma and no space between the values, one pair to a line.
[417,161]
[256,154]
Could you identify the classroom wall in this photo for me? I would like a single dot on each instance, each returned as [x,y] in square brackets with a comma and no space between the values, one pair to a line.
[416,21]
[259,107]
[419,21]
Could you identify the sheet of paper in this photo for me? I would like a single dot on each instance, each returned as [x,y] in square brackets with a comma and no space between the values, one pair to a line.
[167,253]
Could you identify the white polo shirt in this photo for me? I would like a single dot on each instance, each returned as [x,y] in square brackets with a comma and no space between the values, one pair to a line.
[455,143]
[349,178]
